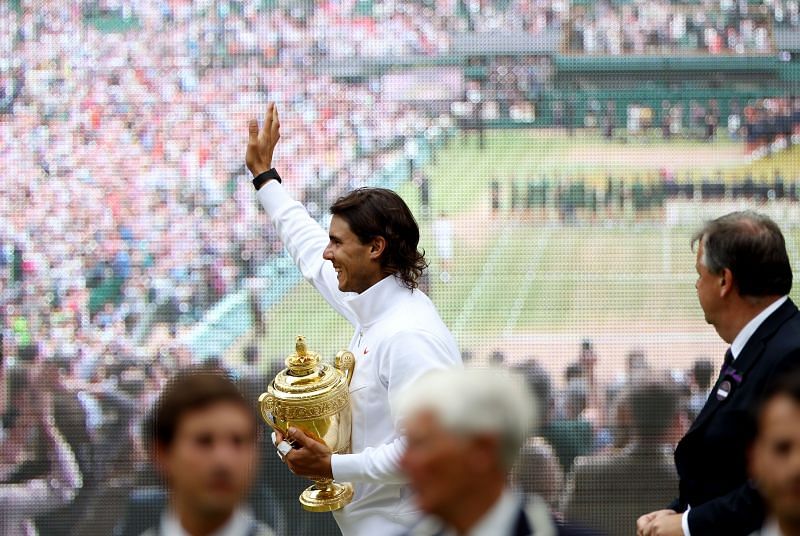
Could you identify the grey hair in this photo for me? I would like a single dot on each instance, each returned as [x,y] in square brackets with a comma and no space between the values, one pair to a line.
[475,401]
[752,247]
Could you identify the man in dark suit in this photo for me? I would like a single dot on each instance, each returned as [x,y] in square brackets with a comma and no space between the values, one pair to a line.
[464,429]
[608,492]
[743,286]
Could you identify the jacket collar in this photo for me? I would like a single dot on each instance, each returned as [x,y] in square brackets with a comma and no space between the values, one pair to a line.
[755,346]
[374,302]
[751,352]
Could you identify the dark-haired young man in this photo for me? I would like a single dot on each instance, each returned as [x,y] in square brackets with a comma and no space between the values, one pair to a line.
[366,266]
[744,279]
[775,457]
[202,435]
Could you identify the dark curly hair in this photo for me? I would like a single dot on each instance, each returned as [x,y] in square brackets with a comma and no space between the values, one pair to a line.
[373,212]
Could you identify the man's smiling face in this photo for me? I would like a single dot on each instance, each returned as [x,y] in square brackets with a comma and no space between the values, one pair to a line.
[356,271]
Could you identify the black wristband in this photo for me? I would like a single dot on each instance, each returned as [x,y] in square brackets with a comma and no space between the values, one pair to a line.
[264,178]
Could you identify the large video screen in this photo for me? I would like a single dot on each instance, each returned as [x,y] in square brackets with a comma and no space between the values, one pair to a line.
[557,208]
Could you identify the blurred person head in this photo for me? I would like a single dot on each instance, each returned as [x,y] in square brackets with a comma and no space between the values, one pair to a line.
[742,267]
[464,429]
[703,373]
[576,398]
[538,471]
[497,359]
[587,359]
[656,412]
[636,362]
[202,434]
[573,372]
[540,384]
[621,418]
[774,460]
[373,235]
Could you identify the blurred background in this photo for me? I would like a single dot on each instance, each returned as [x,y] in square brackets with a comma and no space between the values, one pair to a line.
[558,156]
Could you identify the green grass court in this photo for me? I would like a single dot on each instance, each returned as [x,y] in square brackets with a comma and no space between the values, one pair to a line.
[535,289]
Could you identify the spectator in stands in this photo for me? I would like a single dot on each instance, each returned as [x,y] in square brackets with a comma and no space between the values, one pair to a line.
[609,492]
[775,457]
[43,484]
[701,376]
[203,436]
[538,473]
[572,435]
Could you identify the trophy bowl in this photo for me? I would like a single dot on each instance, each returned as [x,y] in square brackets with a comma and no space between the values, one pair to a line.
[314,397]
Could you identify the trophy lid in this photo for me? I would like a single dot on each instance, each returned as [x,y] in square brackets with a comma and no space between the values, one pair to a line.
[302,361]
[305,373]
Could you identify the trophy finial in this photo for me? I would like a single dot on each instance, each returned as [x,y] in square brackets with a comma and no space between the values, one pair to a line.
[302,362]
[300,346]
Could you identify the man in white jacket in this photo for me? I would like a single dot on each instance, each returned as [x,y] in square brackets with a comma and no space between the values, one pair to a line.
[371,280]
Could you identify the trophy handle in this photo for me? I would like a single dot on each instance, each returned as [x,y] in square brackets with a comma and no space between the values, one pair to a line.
[345,362]
[265,401]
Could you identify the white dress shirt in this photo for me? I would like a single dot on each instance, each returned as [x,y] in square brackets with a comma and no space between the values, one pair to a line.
[398,337]
[497,521]
[737,346]
[770,528]
[241,523]
[500,520]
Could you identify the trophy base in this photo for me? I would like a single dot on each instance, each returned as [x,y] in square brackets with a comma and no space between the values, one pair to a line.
[326,496]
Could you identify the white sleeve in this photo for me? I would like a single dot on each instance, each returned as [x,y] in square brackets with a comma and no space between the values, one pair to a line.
[305,241]
[406,356]
[374,465]
[41,495]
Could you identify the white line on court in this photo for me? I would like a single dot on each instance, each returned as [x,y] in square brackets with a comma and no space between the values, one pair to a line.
[530,276]
[488,270]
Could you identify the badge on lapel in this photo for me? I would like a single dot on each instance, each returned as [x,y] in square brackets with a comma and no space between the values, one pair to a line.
[730,379]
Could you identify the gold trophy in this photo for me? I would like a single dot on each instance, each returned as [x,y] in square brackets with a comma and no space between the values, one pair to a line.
[314,397]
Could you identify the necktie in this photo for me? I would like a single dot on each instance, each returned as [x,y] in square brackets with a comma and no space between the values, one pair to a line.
[723,388]
[727,361]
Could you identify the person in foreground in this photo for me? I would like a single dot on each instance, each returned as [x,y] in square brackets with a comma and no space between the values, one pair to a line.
[202,435]
[775,458]
[744,279]
[464,430]
[366,266]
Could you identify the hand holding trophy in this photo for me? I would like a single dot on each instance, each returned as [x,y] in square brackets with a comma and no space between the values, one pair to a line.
[312,399]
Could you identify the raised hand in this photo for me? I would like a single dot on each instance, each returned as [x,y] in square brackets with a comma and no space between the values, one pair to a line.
[261,144]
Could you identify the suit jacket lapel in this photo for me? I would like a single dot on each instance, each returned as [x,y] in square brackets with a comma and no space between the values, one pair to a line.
[747,358]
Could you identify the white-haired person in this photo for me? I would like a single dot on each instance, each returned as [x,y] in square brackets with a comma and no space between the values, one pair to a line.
[464,430]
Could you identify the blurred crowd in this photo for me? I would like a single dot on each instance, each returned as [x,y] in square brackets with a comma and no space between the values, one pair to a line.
[765,124]
[772,124]
[126,197]
[603,451]
[667,26]
[573,199]
[126,203]
[85,438]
